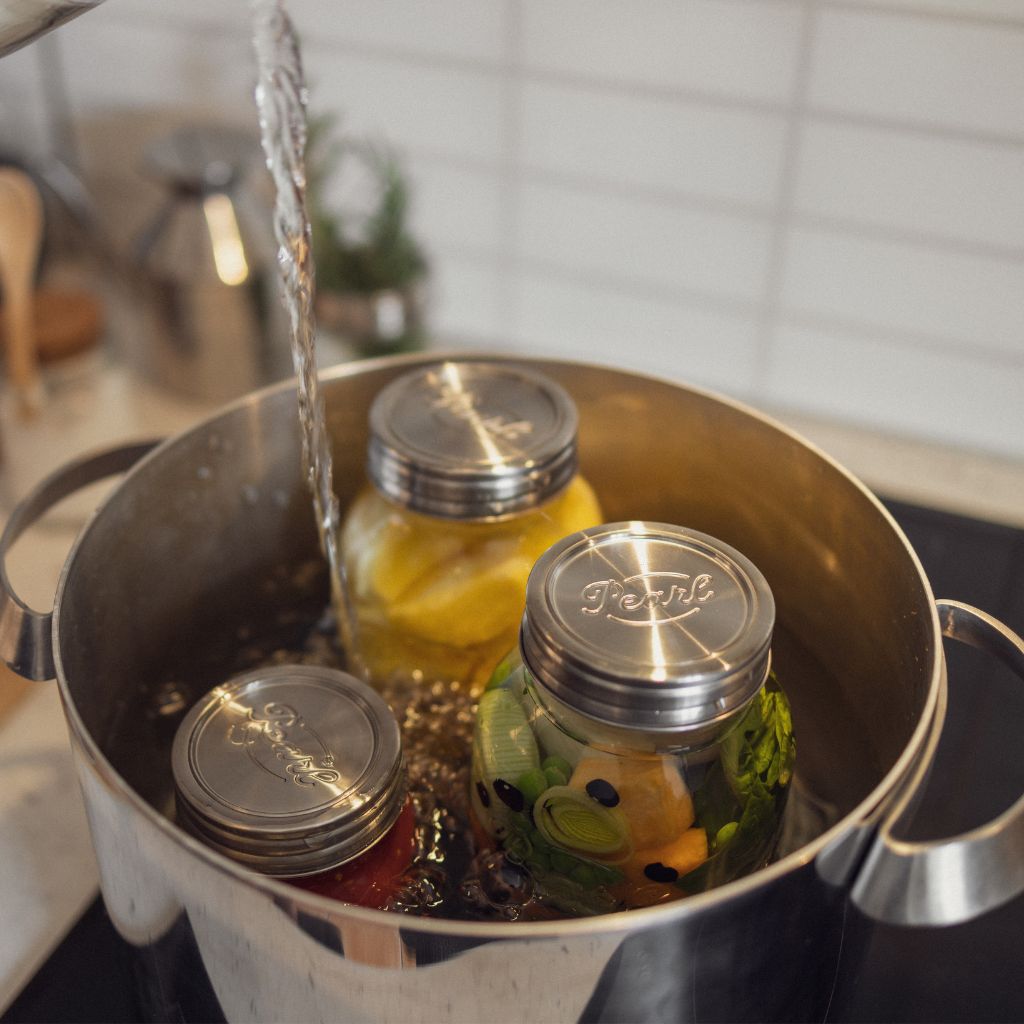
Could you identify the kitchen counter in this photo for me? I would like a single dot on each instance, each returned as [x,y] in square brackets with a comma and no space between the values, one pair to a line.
[922,473]
[47,870]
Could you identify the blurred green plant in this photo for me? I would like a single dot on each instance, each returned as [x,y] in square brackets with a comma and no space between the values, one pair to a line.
[353,251]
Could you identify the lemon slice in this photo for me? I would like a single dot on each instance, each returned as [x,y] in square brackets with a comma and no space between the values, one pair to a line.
[467,603]
[456,584]
[576,507]
[388,550]
[407,554]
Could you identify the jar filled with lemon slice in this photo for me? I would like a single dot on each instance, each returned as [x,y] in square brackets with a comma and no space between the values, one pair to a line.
[636,747]
[473,473]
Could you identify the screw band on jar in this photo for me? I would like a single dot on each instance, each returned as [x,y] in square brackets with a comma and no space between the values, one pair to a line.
[289,770]
[472,440]
[648,626]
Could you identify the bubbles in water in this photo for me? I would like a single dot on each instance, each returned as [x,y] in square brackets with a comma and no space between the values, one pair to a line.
[170,699]
[496,887]
[281,100]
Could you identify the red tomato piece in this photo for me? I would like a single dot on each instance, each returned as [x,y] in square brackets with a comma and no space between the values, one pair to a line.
[372,878]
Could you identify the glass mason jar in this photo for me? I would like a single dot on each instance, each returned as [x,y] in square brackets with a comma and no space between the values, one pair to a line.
[296,771]
[636,748]
[473,467]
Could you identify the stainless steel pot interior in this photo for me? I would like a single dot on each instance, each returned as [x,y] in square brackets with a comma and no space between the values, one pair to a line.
[197,554]
[207,550]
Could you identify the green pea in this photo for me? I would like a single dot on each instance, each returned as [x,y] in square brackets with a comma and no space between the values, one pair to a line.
[531,784]
[725,833]
[559,765]
[555,777]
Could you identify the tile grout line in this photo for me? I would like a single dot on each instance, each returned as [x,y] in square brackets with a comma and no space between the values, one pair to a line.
[653,92]
[894,9]
[767,327]
[847,227]
[844,226]
[909,126]
[887,8]
[903,337]
[666,92]
[706,300]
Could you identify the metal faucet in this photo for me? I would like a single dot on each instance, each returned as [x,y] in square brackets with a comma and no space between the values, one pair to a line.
[22,21]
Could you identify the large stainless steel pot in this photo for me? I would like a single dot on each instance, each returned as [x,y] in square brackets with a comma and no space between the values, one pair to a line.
[203,544]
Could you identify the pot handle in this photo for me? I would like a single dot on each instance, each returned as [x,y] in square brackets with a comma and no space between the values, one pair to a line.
[948,881]
[26,645]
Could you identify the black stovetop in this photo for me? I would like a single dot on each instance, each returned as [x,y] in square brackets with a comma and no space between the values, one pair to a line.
[969,973]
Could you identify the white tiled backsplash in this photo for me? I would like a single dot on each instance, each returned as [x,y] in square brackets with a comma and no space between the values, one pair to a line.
[815,205]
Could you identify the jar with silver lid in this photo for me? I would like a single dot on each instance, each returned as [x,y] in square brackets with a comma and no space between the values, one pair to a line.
[473,467]
[296,771]
[636,747]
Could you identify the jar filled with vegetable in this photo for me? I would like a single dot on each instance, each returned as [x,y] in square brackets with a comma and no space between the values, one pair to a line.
[636,747]
[296,771]
[473,467]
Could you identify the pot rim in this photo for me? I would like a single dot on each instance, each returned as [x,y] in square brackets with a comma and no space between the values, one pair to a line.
[620,921]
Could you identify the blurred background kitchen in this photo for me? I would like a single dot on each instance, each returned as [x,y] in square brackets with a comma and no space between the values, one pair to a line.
[817,207]
[814,206]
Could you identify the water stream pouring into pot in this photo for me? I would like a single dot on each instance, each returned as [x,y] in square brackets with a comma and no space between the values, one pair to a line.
[281,99]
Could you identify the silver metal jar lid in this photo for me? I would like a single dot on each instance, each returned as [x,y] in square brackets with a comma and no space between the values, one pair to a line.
[472,440]
[290,770]
[648,626]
